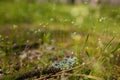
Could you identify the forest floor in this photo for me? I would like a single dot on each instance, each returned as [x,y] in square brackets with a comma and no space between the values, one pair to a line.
[39,36]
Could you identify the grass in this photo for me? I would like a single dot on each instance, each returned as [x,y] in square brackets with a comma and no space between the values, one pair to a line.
[33,12]
[90,34]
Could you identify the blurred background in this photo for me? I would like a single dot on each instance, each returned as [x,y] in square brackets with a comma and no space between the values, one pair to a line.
[39,32]
[30,11]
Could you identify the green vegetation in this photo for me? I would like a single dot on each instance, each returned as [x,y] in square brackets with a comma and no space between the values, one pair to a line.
[32,12]
[34,35]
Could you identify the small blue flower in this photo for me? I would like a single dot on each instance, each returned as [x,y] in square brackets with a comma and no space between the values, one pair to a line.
[66,63]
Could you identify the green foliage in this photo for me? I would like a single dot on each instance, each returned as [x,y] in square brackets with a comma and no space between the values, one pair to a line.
[23,12]
[90,34]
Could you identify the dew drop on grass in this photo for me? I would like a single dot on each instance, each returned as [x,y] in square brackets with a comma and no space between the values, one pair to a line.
[72,22]
[102,19]
[52,40]
[100,43]
[27,41]
[72,52]
[106,51]
[40,24]
[50,48]
[75,36]
[14,26]
[39,30]
[23,56]
[35,32]
[73,33]
[51,19]
[83,63]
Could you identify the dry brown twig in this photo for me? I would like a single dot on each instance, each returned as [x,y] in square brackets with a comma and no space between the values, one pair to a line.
[64,72]
[81,75]
[68,74]
[44,77]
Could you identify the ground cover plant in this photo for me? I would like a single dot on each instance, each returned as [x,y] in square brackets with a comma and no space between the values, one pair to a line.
[59,42]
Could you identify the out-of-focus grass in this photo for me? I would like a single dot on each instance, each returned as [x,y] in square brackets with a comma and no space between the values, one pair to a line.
[86,18]
[24,12]
[60,30]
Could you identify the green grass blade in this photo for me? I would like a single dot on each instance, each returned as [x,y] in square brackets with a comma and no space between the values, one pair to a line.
[108,44]
[86,40]
[116,48]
